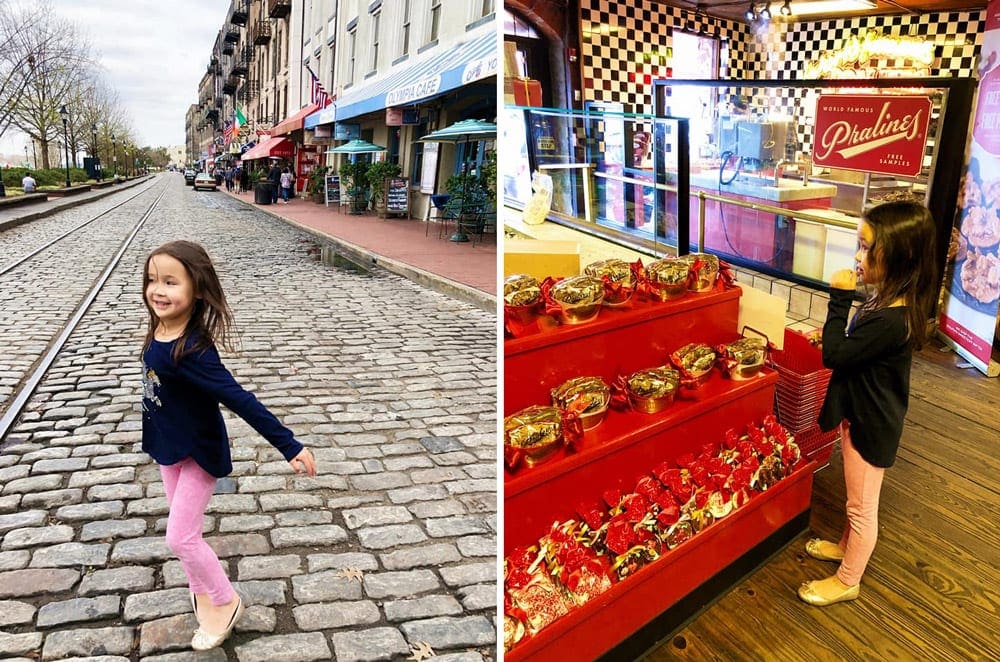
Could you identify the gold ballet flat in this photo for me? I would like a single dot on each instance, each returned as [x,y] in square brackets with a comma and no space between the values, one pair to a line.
[808,592]
[824,550]
[203,641]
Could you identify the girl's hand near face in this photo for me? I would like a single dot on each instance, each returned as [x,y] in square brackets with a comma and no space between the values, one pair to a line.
[304,463]
[844,279]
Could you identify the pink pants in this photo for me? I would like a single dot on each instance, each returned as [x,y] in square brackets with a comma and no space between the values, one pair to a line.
[188,488]
[864,482]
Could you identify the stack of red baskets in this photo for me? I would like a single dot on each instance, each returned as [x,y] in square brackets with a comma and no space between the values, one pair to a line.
[802,382]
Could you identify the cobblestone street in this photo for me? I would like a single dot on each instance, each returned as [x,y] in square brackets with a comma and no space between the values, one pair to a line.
[393,386]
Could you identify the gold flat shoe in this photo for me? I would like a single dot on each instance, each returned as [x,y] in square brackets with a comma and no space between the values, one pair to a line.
[203,641]
[824,550]
[807,593]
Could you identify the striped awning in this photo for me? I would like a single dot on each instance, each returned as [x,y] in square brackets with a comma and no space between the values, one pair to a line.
[438,70]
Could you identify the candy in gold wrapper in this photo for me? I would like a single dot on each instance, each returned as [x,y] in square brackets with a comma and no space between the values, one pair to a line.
[518,282]
[744,357]
[533,433]
[588,396]
[618,272]
[526,297]
[522,298]
[668,278]
[513,631]
[696,359]
[579,298]
[705,267]
[653,389]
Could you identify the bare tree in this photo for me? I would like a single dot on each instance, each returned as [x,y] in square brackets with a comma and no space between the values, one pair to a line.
[58,65]
[16,58]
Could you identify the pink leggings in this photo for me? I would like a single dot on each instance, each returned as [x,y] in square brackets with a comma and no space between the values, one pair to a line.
[864,482]
[188,488]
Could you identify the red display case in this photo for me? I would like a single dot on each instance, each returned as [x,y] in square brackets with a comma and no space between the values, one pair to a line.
[627,445]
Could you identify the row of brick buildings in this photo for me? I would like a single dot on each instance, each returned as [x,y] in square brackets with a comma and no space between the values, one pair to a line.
[390,71]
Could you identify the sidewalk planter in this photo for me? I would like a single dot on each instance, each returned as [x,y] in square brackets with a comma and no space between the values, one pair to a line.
[262,193]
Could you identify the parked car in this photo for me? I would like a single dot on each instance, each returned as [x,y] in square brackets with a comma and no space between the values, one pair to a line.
[204,180]
[189,176]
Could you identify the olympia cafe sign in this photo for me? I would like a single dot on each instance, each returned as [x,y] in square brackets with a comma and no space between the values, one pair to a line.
[876,133]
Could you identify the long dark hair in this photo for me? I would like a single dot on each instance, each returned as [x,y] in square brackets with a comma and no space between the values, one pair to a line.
[904,248]
[211,320]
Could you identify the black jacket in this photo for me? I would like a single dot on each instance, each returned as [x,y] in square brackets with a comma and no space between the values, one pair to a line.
[870,385]
[274,174]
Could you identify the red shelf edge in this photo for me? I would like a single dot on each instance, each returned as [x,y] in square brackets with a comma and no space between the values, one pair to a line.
[650,424]
[610,318]
[578,617]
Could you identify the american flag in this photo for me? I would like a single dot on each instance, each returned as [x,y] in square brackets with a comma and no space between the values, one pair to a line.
[320,96]
[227,132]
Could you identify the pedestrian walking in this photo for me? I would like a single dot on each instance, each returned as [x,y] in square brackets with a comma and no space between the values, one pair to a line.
[274,176]
[244,179]
[184,381]
[870,385]
[229,179]
[286,184]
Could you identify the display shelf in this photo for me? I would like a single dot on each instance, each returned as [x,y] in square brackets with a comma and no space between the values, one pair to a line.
[598,626]
[620,340]
[625,446]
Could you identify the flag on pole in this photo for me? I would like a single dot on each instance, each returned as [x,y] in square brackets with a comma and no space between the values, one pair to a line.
[227,132]
[239,119]
[319,95]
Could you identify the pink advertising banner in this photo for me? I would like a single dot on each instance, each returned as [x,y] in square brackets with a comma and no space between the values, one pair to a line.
[972,300]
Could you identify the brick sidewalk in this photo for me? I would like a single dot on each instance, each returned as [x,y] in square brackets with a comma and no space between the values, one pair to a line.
[397,240]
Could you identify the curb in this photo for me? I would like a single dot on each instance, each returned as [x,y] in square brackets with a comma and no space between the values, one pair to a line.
[364,256]
[70,203]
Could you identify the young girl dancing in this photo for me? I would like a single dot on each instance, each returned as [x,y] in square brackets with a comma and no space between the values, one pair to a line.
[870,386]
[182,428]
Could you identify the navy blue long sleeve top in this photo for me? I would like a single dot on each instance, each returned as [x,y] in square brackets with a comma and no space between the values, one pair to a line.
[870,384]
[181,416]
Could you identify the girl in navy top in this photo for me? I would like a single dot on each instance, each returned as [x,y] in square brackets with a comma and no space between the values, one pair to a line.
[184,382]
[870,385]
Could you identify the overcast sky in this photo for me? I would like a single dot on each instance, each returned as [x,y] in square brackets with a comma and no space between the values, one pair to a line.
[154,53]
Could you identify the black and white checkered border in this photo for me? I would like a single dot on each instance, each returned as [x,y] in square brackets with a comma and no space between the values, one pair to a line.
[619,42]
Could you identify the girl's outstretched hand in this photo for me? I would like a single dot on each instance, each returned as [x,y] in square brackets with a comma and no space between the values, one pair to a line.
[844,279]
[304,463]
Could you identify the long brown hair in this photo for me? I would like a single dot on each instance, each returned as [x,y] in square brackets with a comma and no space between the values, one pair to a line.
[211,320]
[904,249]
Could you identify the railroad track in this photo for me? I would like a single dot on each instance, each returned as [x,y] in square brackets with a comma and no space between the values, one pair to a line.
[12,408]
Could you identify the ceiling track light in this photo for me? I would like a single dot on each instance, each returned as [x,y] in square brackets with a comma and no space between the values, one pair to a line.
[765,12]
[750,14]
[786,9]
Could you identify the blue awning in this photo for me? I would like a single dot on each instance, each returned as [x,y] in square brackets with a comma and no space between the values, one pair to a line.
[321,116]
[443,69]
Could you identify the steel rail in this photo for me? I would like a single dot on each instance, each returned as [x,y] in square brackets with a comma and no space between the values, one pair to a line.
[18,262]
[20,401]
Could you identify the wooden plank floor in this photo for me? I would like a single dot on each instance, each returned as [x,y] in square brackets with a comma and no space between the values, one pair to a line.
[932,588]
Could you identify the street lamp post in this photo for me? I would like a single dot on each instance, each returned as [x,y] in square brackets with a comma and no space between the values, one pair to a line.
[114,146]
[27,163]
[65,117]
[97,159]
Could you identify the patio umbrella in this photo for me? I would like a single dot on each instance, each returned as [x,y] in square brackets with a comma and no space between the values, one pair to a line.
[463,131]
[356,147]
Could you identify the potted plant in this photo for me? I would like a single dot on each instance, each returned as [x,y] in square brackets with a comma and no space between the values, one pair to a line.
[466,190]
[352,178]
[316,184]
[377,176]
